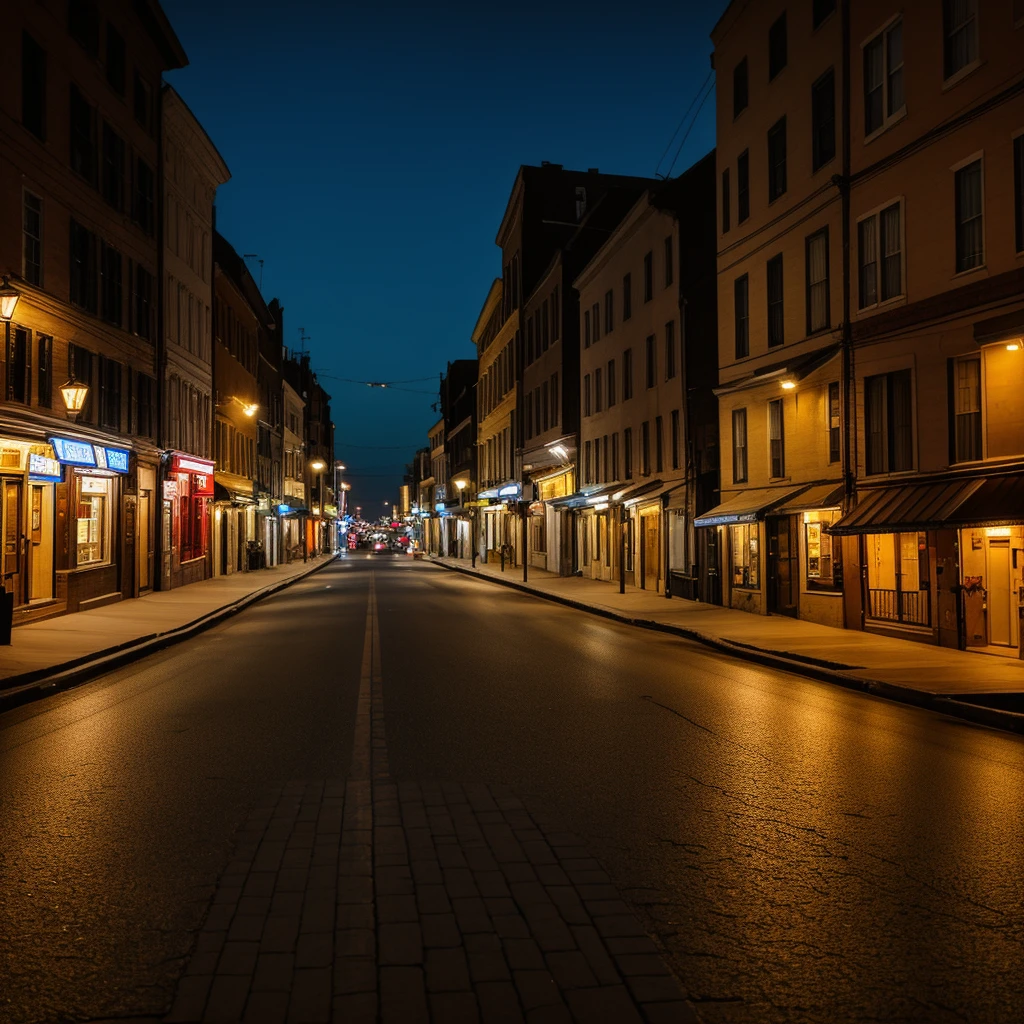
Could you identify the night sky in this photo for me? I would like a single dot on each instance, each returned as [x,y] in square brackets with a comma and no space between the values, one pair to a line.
[373,148]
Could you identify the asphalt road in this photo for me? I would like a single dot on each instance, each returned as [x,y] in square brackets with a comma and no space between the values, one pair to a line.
[803,853]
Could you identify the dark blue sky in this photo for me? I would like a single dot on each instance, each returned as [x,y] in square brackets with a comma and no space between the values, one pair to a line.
[373,147]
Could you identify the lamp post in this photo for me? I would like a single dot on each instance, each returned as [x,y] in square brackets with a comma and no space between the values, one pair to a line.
[317,465]
[8,300]
[74,392]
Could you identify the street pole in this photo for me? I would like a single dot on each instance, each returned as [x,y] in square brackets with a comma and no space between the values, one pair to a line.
[526,550]
[472,537]
[622,555]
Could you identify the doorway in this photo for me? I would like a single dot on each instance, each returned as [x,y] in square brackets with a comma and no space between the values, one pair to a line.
[41,542]
[650,548]
[1002,613]
[782,565]
[145,542]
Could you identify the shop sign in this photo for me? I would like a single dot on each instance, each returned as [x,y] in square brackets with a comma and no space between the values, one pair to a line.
[182,463]
[202,483]
[439,507]
[170,490]
[74,453]
[41,467]
[115,459]
[512,491]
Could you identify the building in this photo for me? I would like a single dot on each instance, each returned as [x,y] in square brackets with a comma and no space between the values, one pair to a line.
[648,427]
[293,456]
[192,171]
[458,409]
[434,488]
[80,129]
[270,436]
[780,306]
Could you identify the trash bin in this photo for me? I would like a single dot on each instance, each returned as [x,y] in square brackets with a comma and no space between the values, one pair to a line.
[6,617]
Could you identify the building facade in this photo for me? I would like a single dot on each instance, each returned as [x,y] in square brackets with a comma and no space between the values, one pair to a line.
[293,457]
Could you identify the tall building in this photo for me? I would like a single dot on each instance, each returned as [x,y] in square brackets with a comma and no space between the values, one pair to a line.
[458,409]
[80,129]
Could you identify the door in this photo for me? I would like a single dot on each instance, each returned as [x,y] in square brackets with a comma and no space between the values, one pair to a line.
[145,542]
[782,565]
[1001,610]
[41,542]
[11,514]
[650,541]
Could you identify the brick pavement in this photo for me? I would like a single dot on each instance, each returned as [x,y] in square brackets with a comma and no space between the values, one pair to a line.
[366,899]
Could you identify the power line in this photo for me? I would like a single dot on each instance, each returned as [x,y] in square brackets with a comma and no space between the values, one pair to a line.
[672,139]
[374,383]
[710,90]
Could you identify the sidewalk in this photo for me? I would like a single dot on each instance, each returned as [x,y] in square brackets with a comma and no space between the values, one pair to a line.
[67,649]
[900,669]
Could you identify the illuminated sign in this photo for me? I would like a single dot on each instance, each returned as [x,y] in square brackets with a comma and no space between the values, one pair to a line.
[74,453]
[181,463]
[42,466]
[508,492]
[116,458]
[170,489]
[202,483]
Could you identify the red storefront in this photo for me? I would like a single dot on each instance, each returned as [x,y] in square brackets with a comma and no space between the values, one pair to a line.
[187,498]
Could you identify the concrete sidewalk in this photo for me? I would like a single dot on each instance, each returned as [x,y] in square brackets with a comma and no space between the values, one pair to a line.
[74,646]
[901,669]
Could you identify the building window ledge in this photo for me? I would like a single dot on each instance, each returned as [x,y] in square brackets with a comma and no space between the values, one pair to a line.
[965,72]
[890,122]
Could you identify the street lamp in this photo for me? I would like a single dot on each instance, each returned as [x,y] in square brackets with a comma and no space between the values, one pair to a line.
[8,299]
[74,393]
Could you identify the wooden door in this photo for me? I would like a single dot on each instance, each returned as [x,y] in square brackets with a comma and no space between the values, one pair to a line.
[145,540]
[783,571]
[41,542]
[1001,609]
[651,540]
[11,514]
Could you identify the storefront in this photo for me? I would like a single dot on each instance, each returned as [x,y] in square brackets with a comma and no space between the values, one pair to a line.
[234,529]
[187,495]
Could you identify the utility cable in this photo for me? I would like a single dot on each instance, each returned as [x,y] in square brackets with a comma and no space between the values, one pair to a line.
[672,138]
[696,114]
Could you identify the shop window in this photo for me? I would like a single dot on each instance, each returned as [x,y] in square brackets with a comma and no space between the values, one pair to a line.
[746,563]
[822,572]
[898,578]
[93,520]
[968,409]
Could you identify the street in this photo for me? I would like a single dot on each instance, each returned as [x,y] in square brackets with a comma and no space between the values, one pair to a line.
[798,851]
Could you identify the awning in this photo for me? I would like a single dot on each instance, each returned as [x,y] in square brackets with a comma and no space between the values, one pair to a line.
[221,493]
[746,506]
[793,369]
[581,499]
[950,504]
[650,490]
[814,497]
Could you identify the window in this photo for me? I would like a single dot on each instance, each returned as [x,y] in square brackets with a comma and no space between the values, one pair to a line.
[115,60]
[588,468]
[820,10]
[113,167]
[611,383]
[110,394]
[645,448]
[658,444]
[967,409]
[545,404]
[970,247]
[527,414]
[83,268]
[777,159]
[776,319]
[609,311]
[80,367]
[83,137]
[627,374]
[823,120]
[883,78]
[776,440]
[888,430]
[742,186]
[143,303]
[746,565]
[615,457]
[586,328]
[627,296]
[586,395]
[669,262]
[598,390]
[595,321]
[627,453]
[652,360]
[111,303]
[554,399]
[670,350]
[1018,192]
[820,567]
[648,277]
[817,282]
[19,348]
[777,46]
[44,370]
[33,86]
[142,209]
[880,256]
[144,106]
[725,200]
[84,25]
[94,500]
[741,306]
[675,439]
[32,224]
[898,577]
[960,34]
[739,88]
[834,434]
[739,446]
[556,320]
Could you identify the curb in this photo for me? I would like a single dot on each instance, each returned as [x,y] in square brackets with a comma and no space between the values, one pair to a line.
[39,683]
[1008,721]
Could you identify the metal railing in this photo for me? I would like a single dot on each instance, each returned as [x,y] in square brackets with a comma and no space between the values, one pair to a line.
[910,606]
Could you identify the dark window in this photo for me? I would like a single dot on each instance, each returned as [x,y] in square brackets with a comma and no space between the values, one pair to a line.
[627,374]
[883,78]
[1018,191]
[742,187]
[833,422]
[725,200]
[818,316]
[44,369]
[820,10]
[739,88]
[741,306]
[595,321]
[880,256]
[645,448]
[598,389]
[609,311]
[556,318]
[143,302]
[588,470]
[960,32]
[84,25]
[545,326]
[777,46]
[33,86]
[83,136]
[19,347]
[776,439]
[144,106]
[32,226]
[586,328]
[80,367]
[652,360]
[658,444]
[967,409]
[142,208]
[115,60]
[627,296]
[888,429]
[111,285]
[586,394]
[110,394]
[777,159]
[83,268]
[627,453]
[670,350]
[669,268]
[739,446]
[611,383]
[970,248]
[823,120]
[776,319]
[615,457]
[675,438]
[113,167]
[648,277]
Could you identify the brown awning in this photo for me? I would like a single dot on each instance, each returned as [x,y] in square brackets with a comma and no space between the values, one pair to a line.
[747,506]
[814,497]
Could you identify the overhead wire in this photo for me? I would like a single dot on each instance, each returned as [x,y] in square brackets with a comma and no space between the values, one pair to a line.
[672,138]
[710,89]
